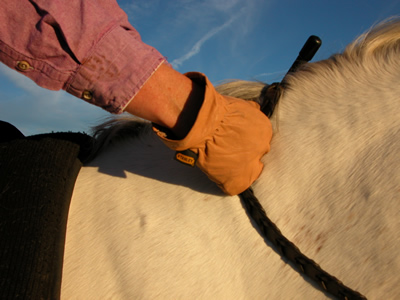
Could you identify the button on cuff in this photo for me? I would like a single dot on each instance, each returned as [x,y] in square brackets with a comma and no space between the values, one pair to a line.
[87,95]
[23,66]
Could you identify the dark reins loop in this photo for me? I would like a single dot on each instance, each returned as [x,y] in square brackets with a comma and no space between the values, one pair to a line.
[287,249]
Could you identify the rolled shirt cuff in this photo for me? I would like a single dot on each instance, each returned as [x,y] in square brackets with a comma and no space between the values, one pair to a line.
[119,65]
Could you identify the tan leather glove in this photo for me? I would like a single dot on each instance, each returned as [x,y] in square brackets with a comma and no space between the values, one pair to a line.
[230,136]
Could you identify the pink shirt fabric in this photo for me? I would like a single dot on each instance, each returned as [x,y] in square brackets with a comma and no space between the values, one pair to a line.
[85,47]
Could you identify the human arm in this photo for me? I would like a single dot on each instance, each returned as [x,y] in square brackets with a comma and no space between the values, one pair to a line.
[91,51]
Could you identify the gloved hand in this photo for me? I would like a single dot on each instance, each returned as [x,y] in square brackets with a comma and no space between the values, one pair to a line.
[230,136]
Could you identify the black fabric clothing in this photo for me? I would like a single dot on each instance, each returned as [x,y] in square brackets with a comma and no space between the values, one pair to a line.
[37,177]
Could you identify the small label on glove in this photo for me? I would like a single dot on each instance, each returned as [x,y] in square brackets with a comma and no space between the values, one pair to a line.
[186,157]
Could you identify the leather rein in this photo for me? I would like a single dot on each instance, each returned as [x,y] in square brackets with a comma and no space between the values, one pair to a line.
[288,250]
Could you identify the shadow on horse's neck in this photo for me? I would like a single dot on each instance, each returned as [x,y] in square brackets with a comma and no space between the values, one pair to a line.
[146,156]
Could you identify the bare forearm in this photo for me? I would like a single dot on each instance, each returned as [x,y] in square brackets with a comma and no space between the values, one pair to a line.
[169,99]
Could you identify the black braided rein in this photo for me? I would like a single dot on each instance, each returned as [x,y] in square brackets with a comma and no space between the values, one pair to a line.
[287,249]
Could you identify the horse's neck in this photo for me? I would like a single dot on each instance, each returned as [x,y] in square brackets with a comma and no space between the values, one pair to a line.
[331,178]
[147,227]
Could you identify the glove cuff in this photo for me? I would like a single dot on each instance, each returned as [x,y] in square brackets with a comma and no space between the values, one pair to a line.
[210,114]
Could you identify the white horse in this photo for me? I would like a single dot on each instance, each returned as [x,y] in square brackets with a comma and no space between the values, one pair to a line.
[142,226]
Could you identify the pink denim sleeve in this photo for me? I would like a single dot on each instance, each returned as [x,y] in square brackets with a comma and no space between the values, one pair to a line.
[86,47]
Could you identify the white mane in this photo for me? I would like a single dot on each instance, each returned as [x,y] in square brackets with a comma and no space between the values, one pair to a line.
[142,226]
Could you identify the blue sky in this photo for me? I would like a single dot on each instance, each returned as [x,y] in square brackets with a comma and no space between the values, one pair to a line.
[225,39]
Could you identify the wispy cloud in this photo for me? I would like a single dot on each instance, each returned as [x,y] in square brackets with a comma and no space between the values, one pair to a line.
[211,12]
[176,63]
[272,75]
[192,23]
